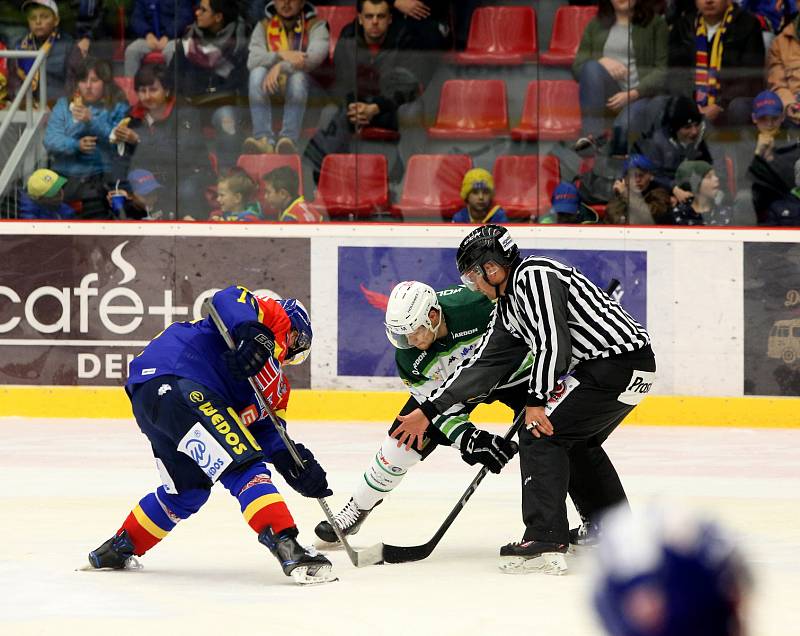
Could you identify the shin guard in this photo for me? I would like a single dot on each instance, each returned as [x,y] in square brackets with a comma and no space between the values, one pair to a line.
[261,504]
[384,473]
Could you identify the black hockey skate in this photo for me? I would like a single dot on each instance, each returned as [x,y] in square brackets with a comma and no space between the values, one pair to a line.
[533,556]
[587,535]
[349,520]
[116,554]
[305,565]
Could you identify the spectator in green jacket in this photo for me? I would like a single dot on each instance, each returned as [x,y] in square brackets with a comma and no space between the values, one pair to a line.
[621,63]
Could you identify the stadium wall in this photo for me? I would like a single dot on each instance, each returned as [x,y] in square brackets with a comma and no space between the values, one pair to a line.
[77,300]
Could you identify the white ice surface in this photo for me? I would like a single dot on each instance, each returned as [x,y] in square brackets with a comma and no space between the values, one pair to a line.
[66,486]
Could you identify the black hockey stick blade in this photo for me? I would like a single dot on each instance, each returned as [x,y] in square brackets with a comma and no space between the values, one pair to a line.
[405,554]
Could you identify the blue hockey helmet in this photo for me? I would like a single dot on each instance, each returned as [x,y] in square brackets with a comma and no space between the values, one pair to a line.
[668,573]
[301,323]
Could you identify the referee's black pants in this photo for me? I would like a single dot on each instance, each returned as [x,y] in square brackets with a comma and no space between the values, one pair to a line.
[572,459]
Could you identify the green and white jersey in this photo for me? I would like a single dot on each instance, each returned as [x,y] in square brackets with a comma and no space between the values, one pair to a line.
[467,315]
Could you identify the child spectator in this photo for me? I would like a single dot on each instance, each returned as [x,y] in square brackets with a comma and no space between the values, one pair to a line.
[705,207]
[281,192]
[284,48]
[155,25]
[236,197]
[567,207]
[44,198]
[142,201]
[767,117]
[638,199]
[81,135]
[44,33]
[477,190]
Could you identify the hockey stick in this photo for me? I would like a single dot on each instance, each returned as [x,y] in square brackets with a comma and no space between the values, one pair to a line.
[404,554]
[401,554]
[359,558]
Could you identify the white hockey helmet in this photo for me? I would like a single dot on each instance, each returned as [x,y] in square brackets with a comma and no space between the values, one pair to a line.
[409,305]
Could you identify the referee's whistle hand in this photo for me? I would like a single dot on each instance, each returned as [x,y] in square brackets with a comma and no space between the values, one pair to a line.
[537,422]
[412,429]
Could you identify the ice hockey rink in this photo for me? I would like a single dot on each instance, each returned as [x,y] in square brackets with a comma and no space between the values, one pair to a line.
[65,487]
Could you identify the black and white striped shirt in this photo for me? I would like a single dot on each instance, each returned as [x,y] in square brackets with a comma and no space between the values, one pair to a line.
[557,313]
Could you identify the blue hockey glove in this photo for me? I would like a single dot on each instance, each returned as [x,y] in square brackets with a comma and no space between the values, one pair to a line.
[493,451]
[311,481]
[255,344]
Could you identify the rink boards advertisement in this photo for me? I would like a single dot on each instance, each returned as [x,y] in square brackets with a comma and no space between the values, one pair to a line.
[772,319]
[74,310]
[368,274]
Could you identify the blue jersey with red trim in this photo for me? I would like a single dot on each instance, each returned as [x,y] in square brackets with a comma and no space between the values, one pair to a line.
[194,350]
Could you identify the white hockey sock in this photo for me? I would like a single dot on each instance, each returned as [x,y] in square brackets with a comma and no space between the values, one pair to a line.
[385,472]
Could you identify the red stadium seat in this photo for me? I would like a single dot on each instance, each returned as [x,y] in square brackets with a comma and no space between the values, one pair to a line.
[524,184]
[432,186]
[154,57]
[126,85]
[471,109]
[337,18]
[551,112]
[568,27]
[353,186]
[500,35]
[259,165]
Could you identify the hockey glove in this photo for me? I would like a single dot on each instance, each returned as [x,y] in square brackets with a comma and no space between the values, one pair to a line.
[255,344]
[493,451]
[311,481]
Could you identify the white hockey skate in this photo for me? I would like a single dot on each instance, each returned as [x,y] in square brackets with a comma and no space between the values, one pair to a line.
[533,556]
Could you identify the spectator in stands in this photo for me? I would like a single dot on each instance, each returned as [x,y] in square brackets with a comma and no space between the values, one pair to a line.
[567,207]
[783,70]
[3,78]
[678,139]
[284,49]
[43,33]
[282,195]
[92,37]
[210,67]
[375,85]
[620,64]
[236,197]
[705,207]
[773,15]
[767,117]
[144,201]
[717,57]
[180,163]
[81,135]
[44,198]
[477,190]
[155,24]
[638,199]
[427,22]
[785,211]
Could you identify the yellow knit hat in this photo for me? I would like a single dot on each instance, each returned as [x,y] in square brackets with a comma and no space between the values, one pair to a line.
[477,177]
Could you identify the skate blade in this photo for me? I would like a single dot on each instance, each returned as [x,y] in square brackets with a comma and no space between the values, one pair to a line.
[131,564]
[323,575]
[553,563]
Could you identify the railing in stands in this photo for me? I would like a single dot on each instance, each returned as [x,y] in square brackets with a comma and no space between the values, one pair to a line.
[19,160]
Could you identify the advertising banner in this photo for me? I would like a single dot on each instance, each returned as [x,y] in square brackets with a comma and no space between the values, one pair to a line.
[772,319]
[368,274]
[74,310]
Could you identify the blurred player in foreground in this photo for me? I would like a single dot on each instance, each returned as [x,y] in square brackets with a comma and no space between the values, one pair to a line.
[192,400]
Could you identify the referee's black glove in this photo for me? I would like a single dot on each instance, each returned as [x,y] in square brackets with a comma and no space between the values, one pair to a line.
[481,447]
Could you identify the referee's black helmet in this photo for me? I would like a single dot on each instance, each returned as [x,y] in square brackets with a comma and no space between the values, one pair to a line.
[486,243]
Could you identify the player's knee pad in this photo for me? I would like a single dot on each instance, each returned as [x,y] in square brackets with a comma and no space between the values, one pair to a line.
[183,504]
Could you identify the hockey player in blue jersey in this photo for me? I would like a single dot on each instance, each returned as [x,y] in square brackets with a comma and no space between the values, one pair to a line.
[192,400]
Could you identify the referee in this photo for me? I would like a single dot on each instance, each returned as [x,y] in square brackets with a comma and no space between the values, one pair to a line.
[593,364]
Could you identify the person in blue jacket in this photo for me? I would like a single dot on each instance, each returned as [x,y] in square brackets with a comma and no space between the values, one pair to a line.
[477,190]
[192,399]
[81,136]
[156,24]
